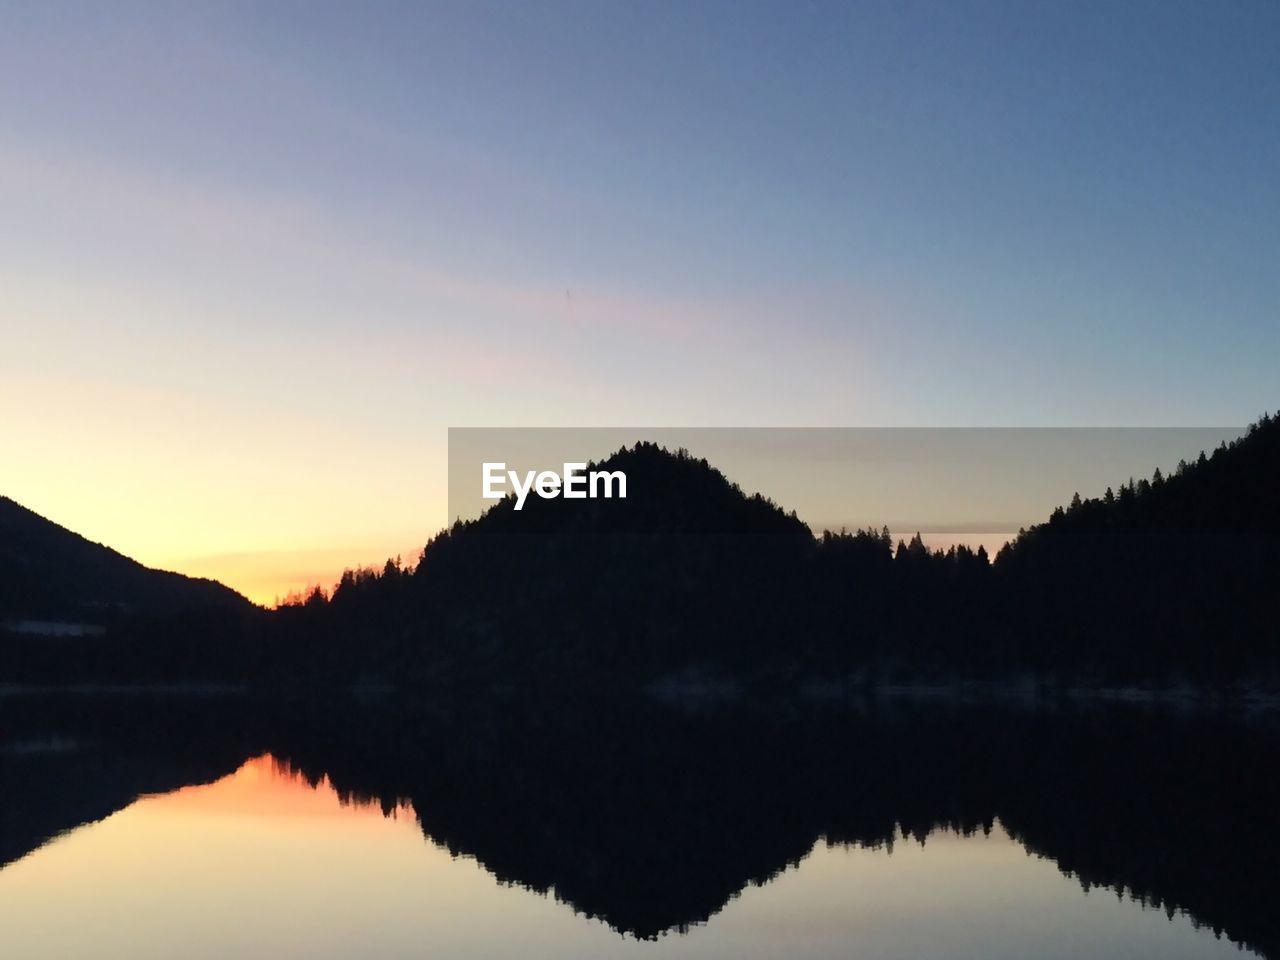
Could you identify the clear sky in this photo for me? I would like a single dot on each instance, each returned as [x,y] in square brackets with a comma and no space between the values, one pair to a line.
[255,259]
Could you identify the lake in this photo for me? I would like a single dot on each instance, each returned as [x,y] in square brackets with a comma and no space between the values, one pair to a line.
[642,835]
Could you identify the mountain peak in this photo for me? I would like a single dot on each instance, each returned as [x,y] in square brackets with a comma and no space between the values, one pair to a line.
[666,492]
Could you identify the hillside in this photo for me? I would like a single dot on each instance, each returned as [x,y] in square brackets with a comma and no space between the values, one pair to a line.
[1179,573]
[687,569]
[50,573]
[1170,579]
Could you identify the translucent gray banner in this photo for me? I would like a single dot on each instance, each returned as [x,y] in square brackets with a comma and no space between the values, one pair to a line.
[952,485]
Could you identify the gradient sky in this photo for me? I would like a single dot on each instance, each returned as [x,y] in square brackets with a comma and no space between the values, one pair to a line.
[255,259]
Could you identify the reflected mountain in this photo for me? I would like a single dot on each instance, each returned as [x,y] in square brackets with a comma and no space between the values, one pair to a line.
[66,762]
[652,818]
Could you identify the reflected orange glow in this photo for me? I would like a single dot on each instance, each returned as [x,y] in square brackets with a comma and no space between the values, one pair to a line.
[260,864]
[262,787]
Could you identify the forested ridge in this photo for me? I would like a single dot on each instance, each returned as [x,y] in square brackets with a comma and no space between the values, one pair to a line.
[49,572]
[1168,580]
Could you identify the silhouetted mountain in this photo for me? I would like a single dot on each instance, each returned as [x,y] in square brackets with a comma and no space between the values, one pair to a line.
[686,569]
[49,573]
[564,781]
[689,580]
[1175,575]
[1171,579]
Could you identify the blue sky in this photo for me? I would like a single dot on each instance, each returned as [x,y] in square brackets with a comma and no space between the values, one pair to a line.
[284,246]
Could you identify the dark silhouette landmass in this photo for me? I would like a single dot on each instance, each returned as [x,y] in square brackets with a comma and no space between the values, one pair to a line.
[644,705]
[127,623]
[520,642]
[49,573]
[1176,574]
[1169,581]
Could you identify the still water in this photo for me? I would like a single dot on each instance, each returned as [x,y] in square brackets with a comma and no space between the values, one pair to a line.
[265,862]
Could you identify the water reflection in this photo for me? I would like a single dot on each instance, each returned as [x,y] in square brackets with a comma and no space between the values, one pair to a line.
[888,836]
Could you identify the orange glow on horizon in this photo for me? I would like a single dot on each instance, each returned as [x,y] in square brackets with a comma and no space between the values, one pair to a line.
[265,502]
[268,577]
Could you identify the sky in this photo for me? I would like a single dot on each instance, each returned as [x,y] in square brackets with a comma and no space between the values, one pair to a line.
[256,259]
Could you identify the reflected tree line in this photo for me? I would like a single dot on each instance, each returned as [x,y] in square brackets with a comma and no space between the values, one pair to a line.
[653,819]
